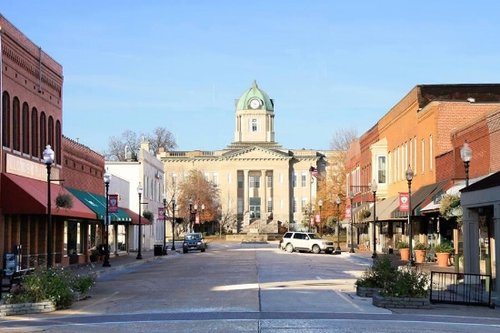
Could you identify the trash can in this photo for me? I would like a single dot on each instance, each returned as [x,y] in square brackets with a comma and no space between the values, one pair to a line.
[158,250]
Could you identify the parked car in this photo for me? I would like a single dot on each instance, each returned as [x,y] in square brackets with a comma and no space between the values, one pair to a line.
[305,241]
[193,241]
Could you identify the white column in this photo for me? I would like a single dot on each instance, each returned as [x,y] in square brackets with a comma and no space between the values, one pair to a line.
[471,241]
[246,199]
[263,196]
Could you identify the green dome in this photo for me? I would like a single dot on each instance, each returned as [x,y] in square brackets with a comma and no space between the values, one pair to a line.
[255,92]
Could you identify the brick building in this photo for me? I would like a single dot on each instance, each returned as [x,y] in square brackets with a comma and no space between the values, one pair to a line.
[31,112]
[417,132]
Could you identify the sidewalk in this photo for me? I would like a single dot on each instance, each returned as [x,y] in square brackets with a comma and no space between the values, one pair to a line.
[123,261]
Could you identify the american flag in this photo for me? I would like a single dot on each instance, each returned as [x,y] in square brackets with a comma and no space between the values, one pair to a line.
[313,171]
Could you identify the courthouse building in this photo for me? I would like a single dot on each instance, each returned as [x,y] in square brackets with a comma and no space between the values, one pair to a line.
[260,183]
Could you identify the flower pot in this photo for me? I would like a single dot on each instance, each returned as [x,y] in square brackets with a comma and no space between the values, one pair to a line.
[442,259]
[420,256]
[405,254]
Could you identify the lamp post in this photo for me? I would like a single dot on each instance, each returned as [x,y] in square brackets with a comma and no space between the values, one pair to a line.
[190,215]
[337,249]
[351,250]
[320,205]
[107,179]
[173,225]
[48,159]
[466,155]
[409,178]
[164,251]
[139,192]
[373,187]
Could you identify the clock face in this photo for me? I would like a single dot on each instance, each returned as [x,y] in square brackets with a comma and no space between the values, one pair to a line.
[254,103]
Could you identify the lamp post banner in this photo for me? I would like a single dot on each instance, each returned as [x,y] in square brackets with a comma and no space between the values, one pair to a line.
[161,214]
[318,218]
[347,213]
[404,202]
[113,203]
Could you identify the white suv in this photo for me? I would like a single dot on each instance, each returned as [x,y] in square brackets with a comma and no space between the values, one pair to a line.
[305,241]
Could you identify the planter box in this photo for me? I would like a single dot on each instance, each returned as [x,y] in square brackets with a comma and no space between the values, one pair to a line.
[442,259]
[366,291]
[420,256]
[401,302]
[405,254]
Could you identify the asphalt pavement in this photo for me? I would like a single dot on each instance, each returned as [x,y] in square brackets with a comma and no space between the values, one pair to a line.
[125,261]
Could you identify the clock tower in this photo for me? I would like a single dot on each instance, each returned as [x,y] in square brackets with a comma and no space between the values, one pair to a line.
[254,119]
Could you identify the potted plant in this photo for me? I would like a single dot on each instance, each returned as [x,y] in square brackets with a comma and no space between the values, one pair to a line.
[94,255]
[404,250]
[443,252]
[148,215]
[420,252]
[64,201]
[365,213]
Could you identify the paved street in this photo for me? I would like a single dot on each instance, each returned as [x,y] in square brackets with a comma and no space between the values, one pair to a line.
[242,288]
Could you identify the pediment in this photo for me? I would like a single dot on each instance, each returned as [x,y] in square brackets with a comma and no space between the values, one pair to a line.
[256,152]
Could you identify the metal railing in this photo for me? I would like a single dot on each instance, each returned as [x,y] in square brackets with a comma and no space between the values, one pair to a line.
[461,288]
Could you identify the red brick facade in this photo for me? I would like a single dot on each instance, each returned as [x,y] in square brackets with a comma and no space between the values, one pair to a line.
[31,111]
[82,168]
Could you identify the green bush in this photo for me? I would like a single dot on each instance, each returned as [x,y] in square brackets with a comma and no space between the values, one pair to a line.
[53,284]
[420,246]
[405,282]
[408,282]
[402,245]
[378,274]
[443,248]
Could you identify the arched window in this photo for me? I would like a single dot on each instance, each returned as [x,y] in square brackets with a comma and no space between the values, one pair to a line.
[58,142]
[6,119]
[43,132]
[51,132]
[34,132]
[16,122]
[26,128]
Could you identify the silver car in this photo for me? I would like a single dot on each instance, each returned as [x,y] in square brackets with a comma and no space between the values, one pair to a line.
[305,241]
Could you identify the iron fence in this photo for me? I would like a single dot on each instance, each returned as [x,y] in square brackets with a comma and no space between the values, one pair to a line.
[461,288]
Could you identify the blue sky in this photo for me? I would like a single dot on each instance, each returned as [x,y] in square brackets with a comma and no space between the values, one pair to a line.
[181,64]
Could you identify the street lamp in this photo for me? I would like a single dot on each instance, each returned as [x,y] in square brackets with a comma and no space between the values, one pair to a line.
[320,204]
[173,225]
[48,159]
[338,250]
[374,240]
[164,251]
[409,178]
[351,196]
[466,155]
[190,215]
[107,179]
[139,192]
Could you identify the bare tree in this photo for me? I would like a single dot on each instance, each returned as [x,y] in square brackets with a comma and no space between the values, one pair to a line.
[127,145]
[161,138]
[124,147]
[227,220]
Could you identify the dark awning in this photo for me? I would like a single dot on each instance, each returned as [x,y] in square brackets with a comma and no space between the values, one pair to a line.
[97,203]
[135,217]
[386,207]
[420,198]
[22,195]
